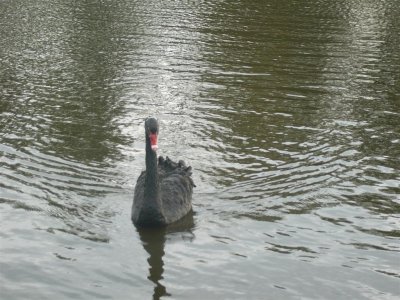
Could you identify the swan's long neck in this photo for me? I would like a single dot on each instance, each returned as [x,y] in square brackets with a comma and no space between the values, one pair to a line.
[152,186]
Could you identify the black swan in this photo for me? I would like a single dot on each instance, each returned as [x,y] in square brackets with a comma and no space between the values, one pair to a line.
[163,192]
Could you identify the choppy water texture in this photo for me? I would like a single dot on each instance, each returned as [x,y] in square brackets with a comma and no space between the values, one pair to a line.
[288,112]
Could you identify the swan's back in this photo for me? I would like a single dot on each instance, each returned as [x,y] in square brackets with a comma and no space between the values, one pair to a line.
[176,187]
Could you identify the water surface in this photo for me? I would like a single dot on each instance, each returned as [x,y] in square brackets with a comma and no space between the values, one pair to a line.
[288,113]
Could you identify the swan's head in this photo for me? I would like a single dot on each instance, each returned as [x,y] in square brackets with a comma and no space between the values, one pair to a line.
[151,127]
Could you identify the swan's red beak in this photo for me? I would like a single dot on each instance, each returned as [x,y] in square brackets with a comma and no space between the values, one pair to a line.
[153,141]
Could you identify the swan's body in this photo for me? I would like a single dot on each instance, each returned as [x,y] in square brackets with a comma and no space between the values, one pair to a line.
[163,193]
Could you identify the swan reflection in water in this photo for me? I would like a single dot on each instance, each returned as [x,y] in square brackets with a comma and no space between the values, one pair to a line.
[153,241]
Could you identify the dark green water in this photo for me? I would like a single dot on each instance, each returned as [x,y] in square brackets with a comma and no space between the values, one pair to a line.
[288,112]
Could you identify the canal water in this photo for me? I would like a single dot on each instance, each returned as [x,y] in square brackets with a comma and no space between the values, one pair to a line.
[288,112]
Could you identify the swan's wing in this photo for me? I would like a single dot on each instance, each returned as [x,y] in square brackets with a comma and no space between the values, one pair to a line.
[176,194]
